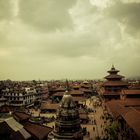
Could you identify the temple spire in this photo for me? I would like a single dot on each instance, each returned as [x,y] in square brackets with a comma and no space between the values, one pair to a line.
[113,66]
[67,86]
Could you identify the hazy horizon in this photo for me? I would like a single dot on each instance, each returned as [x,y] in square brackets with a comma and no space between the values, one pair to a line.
[73,39]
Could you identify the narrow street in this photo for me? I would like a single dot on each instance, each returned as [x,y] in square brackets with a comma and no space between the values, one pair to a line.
[94,127]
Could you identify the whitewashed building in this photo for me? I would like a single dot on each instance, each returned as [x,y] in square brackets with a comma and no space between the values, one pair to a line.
[20,97]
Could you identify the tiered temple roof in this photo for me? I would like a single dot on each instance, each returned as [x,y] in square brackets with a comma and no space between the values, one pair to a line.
[114,84]
[114,79]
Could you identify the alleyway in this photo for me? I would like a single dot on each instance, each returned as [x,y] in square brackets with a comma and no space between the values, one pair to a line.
[94,126]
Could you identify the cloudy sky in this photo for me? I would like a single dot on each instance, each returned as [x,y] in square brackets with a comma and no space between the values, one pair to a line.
[74,39]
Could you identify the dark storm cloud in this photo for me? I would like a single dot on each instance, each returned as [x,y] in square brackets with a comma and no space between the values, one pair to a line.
[68,48]
[46,14]
[6,15]
[126,13]
[68,38]
[5,9]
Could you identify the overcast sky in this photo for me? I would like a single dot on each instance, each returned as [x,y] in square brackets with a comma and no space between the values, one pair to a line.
[74,39]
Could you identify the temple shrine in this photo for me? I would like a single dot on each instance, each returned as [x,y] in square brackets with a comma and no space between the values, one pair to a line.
[113,85]
[67,124]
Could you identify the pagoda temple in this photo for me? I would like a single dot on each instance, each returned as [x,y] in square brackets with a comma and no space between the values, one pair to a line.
[67,124]
[114,84]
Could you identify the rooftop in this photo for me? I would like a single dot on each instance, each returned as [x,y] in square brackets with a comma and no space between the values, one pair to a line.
[131,91]
[38,131]
[129,114]
[115,83]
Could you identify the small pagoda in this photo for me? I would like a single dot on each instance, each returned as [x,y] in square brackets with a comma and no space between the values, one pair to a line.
[67,124]
[114,84]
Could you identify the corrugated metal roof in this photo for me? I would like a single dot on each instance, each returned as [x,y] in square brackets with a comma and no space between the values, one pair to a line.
[24,133]
[13,124]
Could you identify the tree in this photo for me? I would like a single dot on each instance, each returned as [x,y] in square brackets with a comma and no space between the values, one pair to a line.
[112,130]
